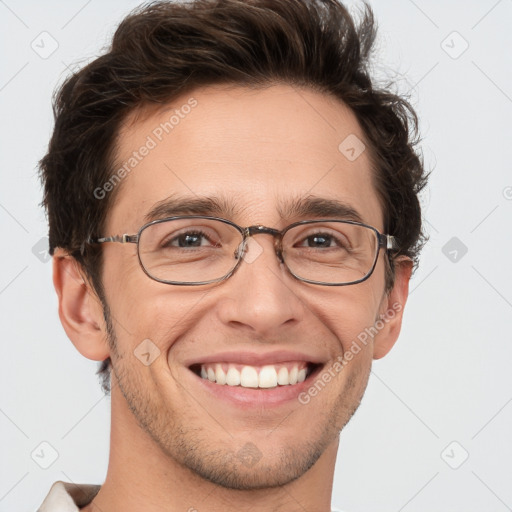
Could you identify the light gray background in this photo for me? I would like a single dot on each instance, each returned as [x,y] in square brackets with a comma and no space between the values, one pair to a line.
[447,380]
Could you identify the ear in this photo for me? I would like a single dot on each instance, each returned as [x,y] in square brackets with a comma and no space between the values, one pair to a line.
[392,308]
[80,309]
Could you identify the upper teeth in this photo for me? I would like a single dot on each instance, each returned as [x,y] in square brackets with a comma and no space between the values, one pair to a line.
[268,376]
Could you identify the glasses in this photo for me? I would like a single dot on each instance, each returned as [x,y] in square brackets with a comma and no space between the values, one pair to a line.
[196,250]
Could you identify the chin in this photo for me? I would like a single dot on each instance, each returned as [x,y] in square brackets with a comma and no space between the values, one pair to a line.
[249,469]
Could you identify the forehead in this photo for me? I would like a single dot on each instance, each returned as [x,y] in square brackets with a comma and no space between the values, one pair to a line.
[256,152]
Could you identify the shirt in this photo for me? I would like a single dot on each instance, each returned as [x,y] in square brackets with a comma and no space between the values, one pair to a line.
[66,497]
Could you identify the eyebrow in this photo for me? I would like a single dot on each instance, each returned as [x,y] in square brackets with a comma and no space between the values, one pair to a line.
[313,207]
[190,205]
[318,207]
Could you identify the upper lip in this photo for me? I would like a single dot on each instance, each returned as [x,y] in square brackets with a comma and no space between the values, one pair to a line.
[254,358]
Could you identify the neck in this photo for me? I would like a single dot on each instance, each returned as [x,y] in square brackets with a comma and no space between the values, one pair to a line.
[141,477]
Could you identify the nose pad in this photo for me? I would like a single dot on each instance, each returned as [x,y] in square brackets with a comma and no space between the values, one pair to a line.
[279,252]
[241,249]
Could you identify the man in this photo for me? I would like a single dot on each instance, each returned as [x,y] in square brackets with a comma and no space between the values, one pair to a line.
[234,220]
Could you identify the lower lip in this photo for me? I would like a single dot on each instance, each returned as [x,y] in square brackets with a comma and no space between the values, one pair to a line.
[248,398]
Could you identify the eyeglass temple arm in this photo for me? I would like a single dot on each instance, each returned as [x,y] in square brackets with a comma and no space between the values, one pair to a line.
[123,239]
[388,242]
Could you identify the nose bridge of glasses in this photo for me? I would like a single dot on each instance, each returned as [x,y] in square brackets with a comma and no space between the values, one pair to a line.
[254,230]
[259,229]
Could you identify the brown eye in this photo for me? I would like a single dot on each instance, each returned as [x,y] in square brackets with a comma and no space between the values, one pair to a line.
[190,239]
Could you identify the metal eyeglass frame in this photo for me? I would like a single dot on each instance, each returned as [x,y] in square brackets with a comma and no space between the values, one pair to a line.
[387,242]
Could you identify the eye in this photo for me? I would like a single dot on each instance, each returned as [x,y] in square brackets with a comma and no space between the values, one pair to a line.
[318,240]
[192,238]
[324,239]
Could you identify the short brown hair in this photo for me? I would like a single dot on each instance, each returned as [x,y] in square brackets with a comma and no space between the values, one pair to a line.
[165,49]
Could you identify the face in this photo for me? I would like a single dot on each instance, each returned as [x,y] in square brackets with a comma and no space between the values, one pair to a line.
[255,152]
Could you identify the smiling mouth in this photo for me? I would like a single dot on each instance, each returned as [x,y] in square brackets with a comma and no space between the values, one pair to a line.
[263,377]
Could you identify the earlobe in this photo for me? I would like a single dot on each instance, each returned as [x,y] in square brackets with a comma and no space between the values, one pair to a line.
[392,308]
[80,309]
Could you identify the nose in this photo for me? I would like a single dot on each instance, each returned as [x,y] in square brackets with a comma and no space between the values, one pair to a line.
[260,297]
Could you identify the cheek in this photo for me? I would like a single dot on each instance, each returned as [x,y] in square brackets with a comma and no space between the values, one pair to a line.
[157,312]
[348,314]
